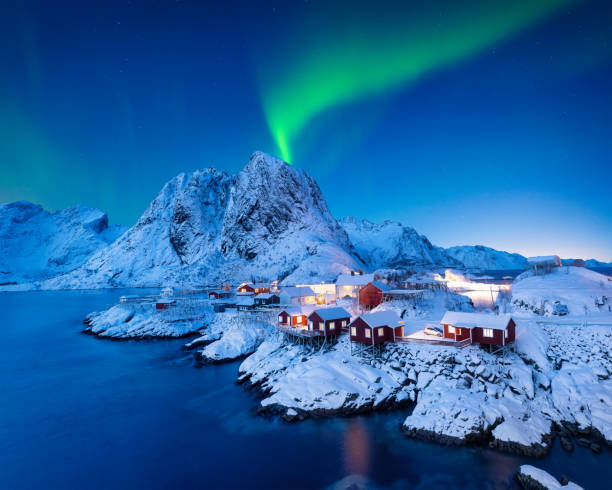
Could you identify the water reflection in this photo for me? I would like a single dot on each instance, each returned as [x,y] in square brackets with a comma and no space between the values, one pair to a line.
[357,448]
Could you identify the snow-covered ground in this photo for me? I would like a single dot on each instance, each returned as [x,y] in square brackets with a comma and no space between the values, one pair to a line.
[142,320]
[581,290]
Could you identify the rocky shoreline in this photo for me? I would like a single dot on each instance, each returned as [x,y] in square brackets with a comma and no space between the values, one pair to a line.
[556,385]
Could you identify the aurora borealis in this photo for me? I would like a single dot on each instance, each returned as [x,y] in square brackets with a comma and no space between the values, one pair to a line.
[475,122]
[358,59]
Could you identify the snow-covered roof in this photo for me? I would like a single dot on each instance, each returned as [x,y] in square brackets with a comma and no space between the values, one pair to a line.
[382,318]
[245,301]
[166,301]
[404,292]
[332,313]
[297,291]
[470,320]
[356,280]
[292,310]
[260,285]
[381,285]
[265,295]
[544,259]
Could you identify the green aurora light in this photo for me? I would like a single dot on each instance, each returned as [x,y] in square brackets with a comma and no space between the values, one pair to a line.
[353,58]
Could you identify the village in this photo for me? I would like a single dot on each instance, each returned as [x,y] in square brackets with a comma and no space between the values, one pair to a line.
[364,307]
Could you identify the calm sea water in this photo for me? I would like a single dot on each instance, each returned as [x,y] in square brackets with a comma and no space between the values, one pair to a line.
[81,412]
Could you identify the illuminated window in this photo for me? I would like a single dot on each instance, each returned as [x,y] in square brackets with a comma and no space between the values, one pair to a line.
[309,325]
[332,325]
[506,333]
[367,333]
[458,331]
[344,323]
[280,319]
[451,330]
[353,331]
[321,326]
[380,331]
[487,332]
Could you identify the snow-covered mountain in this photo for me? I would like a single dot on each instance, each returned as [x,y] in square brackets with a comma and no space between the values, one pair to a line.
[485,258]
[391,244]
[270,221]
[37,245]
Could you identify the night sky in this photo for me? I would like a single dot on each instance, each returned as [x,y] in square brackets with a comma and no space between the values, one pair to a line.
[475,122]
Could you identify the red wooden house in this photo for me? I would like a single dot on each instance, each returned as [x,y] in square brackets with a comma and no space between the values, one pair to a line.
[376,328]
[219,293]
[482,328]
[371,294]
[292,317]
[328,321]
[250,288]
[164,304]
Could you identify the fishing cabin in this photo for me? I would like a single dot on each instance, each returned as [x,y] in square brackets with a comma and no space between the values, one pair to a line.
[329,321]
[376,328]
[219,294]
[481,328]
[245,303]
[371,294]
[292,316]
[267,299]
[164,304]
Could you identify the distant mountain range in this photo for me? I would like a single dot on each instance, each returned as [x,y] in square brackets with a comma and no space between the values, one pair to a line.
[270,221]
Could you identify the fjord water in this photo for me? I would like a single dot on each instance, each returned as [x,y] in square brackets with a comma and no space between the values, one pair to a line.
[81,412]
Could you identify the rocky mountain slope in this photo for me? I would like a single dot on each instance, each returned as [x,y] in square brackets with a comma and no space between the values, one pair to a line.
[36,244]
[485,258]
[391,244]
[270,221]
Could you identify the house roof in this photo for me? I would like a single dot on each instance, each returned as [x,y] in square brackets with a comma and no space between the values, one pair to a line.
[293,310]
[356,280]
[544,259]
[382,318]
[261,285]
[265,295]
[245,301]
[332,313]
[470,320]
[297,291]
[380,285]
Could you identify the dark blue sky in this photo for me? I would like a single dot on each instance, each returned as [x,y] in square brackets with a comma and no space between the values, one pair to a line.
[508,146]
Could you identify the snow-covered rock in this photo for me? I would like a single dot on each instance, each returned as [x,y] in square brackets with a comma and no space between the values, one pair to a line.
[142,320]
[580,290]
[485,258]
[270,221]
[37,245]
[532,478]
[391,244]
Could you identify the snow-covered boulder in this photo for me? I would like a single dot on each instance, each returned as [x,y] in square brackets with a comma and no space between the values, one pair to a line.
[532,478]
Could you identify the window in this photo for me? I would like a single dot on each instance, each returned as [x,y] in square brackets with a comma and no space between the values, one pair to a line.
[458,331]
[280,318]
[321,326]
[309,325]
[367,333]
[344,323]
[332,325]
[487,332]
[450,329]
[381,331]
[353,331]
[506,334]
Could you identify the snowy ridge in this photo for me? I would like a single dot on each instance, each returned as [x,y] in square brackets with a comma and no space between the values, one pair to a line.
[36,244]
[391,244]
[485,258]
